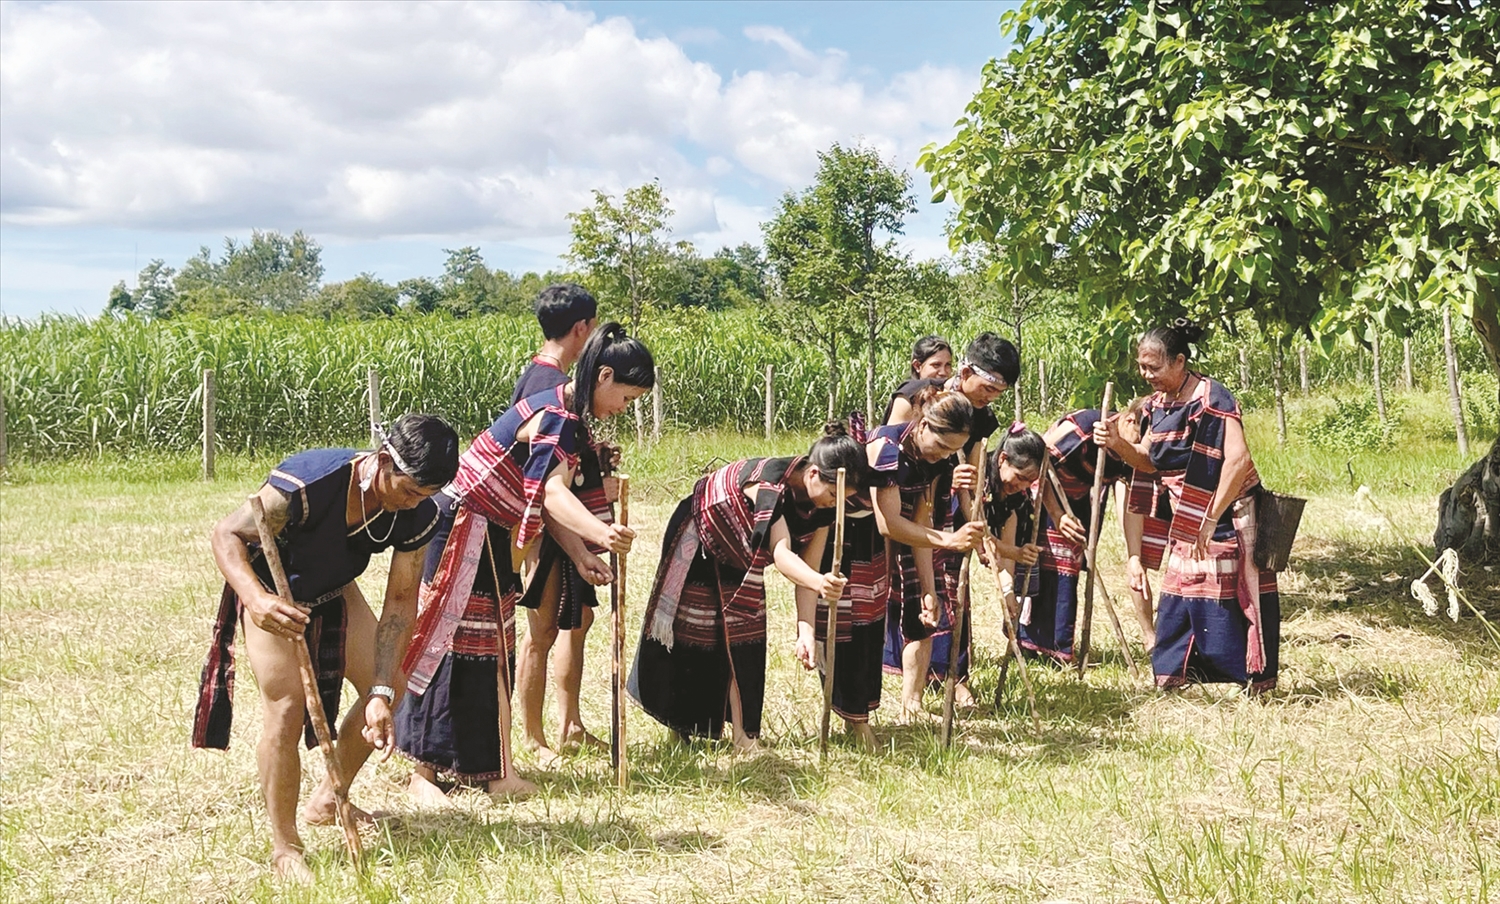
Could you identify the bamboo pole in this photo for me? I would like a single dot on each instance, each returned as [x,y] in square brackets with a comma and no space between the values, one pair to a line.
[619,754]
[770,399]
[1109,603]
[961,607]
[830,639]
[373,381]
[310,696]
[1022,587]
[208,423]
[1096,507]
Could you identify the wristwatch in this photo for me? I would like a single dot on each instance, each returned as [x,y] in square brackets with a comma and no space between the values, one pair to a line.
[381,690]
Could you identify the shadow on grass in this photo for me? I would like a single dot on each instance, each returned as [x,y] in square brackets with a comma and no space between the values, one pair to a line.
[1373,581]
[461,835]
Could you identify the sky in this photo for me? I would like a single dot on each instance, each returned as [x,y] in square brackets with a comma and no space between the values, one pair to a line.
[133,131]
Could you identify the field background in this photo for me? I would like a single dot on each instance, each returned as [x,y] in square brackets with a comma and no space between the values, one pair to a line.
[1369,775]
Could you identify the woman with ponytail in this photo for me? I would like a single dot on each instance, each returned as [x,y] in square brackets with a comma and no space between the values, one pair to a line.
[1192,498]
[515,480]
[702,655]
[1047,625]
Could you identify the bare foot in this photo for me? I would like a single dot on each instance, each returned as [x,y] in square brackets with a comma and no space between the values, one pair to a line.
[321,810]
[512,787]
[963,697]
[426,793]
[577,738]
[288,866]
[862,736]
[913,715]
[744,744]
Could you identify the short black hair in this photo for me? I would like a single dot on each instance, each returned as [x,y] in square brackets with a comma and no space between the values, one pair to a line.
[995,355]
[561,305]
[428,446]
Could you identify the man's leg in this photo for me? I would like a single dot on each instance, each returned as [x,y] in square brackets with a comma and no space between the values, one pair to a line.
[351,749]
[531,668]
[273,661]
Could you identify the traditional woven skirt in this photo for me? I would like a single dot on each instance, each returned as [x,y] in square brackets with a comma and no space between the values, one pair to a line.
[903,623]
[1049,619]
[453,727]
[686,688]
[862,620]
[1202,633]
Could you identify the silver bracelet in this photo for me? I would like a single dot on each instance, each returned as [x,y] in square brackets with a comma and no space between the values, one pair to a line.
[381,690]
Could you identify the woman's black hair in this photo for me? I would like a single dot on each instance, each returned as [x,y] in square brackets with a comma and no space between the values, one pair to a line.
[1023,448]
[1176,339]
[996,355]
[925,348]
[609,346]
[427,446]
[945,412]
[837,449]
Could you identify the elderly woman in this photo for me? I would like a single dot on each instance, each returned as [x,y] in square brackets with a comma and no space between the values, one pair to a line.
[1192,498]
[331,510]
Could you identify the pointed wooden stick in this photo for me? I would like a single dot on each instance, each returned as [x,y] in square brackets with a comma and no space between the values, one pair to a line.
[830,640]
[1096,506]
[502,669]
[1109,603]
[618,751]
[1013,619]
[961,607]
[311,698]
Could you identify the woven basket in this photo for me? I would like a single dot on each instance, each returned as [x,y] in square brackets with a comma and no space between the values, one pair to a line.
[1277,517]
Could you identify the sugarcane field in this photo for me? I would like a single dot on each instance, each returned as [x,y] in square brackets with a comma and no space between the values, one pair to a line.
[621,451]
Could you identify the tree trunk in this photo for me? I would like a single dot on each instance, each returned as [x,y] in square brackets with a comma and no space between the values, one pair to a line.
[1302,364]
[1406,364]
[1375,374]
[833,375]
[1244,369]
[1455,399]
[872,336]
[1041,386]
[1469,513]
[1276,384]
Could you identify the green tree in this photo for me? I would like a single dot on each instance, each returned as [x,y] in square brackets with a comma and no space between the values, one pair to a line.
[624,249]
[1316,164]
[271,272]
[420,294]
[360,298]
[832,252]
[154,294]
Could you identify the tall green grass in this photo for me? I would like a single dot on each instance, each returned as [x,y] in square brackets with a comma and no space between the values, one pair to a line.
[75,386]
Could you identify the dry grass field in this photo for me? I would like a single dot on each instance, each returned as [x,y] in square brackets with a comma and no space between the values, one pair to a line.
[1369,775]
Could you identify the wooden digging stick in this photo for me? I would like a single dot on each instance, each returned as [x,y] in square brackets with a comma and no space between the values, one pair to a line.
[502,669]
[1096,505]
[830,640]
[961,607]
[618,754]
[1023,587]
[310,695]
[1109,603]
[1013,648]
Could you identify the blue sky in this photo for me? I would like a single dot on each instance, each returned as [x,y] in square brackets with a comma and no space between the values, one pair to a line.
[391,132]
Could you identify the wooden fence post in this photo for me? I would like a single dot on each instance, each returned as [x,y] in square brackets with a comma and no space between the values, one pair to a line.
[640,422]
[1276,384]
[1041,386]
[374,396]
[1302,363]
[1375,374]
[770,399]
[208,423]
[1406,362]
[4,451]
[656,408]
[1455,397]
[1244,368]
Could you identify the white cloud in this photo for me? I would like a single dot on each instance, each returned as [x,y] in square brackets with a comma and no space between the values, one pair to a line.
[387,120]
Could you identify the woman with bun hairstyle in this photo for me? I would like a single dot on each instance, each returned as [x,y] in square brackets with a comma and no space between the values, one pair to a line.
[1192,499]
[990,366]
[515,480]
[1047,625]
[916,465]
[1011,474]
[702,654]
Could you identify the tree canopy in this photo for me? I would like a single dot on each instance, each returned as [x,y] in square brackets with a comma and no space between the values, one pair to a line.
[1318,165]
